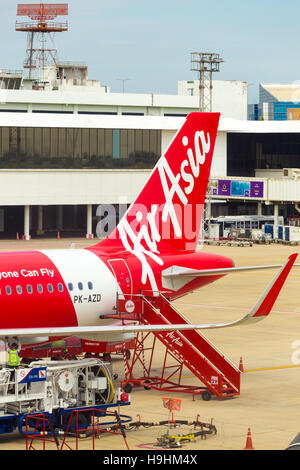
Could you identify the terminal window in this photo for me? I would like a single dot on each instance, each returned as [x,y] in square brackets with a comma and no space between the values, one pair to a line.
[247,152]
[28,147]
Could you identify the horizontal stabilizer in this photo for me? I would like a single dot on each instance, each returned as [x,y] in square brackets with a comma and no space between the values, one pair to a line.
[177,272]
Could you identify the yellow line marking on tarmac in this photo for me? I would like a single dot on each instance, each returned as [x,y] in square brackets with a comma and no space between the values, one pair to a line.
[272,368]
[247,370]
[253,370]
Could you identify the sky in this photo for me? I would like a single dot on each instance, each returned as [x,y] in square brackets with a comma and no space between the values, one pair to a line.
[149,42]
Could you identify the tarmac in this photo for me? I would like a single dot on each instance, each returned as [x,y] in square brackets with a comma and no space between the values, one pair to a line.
[269,403]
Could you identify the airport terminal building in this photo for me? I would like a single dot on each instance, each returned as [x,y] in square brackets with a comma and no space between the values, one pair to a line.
[277,102]
[67,152]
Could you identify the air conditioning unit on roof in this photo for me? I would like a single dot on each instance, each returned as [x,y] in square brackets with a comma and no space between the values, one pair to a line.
[291,172]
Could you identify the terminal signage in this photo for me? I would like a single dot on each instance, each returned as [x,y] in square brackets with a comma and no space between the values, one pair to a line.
[238,188]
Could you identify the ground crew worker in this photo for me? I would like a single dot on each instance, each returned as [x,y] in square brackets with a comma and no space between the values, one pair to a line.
[13,362]
[13,355]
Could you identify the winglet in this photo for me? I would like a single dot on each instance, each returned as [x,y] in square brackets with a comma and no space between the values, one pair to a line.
[267,300]
[264,305]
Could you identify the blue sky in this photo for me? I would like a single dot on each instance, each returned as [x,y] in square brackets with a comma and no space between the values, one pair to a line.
[149,41]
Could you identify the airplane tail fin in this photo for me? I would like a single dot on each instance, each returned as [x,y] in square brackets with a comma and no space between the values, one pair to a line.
[166,215]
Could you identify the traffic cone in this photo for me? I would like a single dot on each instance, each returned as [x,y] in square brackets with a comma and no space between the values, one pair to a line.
[241,367]
[58,236]
[17,237]
[249,445]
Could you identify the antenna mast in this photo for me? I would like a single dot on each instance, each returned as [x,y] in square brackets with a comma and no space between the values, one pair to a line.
[41,51]
[205,63]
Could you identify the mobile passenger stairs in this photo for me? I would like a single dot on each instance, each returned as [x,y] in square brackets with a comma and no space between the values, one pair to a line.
[217,374]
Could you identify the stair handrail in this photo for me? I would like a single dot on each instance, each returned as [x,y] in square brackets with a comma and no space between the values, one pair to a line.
[213,366]
[210,342]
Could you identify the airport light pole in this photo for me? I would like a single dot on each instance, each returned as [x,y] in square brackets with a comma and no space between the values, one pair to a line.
[123,80]
[205,63]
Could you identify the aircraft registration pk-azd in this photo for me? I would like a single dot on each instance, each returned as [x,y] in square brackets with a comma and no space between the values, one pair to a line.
[47,294]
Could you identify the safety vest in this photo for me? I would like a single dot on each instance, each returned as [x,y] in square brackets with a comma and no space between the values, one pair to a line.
[13,358]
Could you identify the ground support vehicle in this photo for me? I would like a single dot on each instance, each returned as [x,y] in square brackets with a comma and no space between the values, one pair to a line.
[70,348]
[56,389]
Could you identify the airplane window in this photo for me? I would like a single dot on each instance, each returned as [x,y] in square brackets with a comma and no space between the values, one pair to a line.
[60,287]
[70,286]
[80,286]
[19,289]
[50,287]
[40,288]
[29,289]
[8,290]
[90,285]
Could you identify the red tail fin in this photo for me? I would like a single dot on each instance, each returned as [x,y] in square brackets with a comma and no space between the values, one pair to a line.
[166,214]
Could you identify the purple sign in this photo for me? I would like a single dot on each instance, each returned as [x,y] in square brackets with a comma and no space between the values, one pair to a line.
[239,188]
[224,187]
[256,189]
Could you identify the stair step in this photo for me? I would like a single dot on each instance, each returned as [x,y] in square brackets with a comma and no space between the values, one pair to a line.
[189,347]
[194,350]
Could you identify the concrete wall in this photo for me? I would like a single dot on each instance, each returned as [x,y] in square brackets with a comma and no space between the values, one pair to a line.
[219,161]
[229,97]
[69,187]
[81,187]
[88,99]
